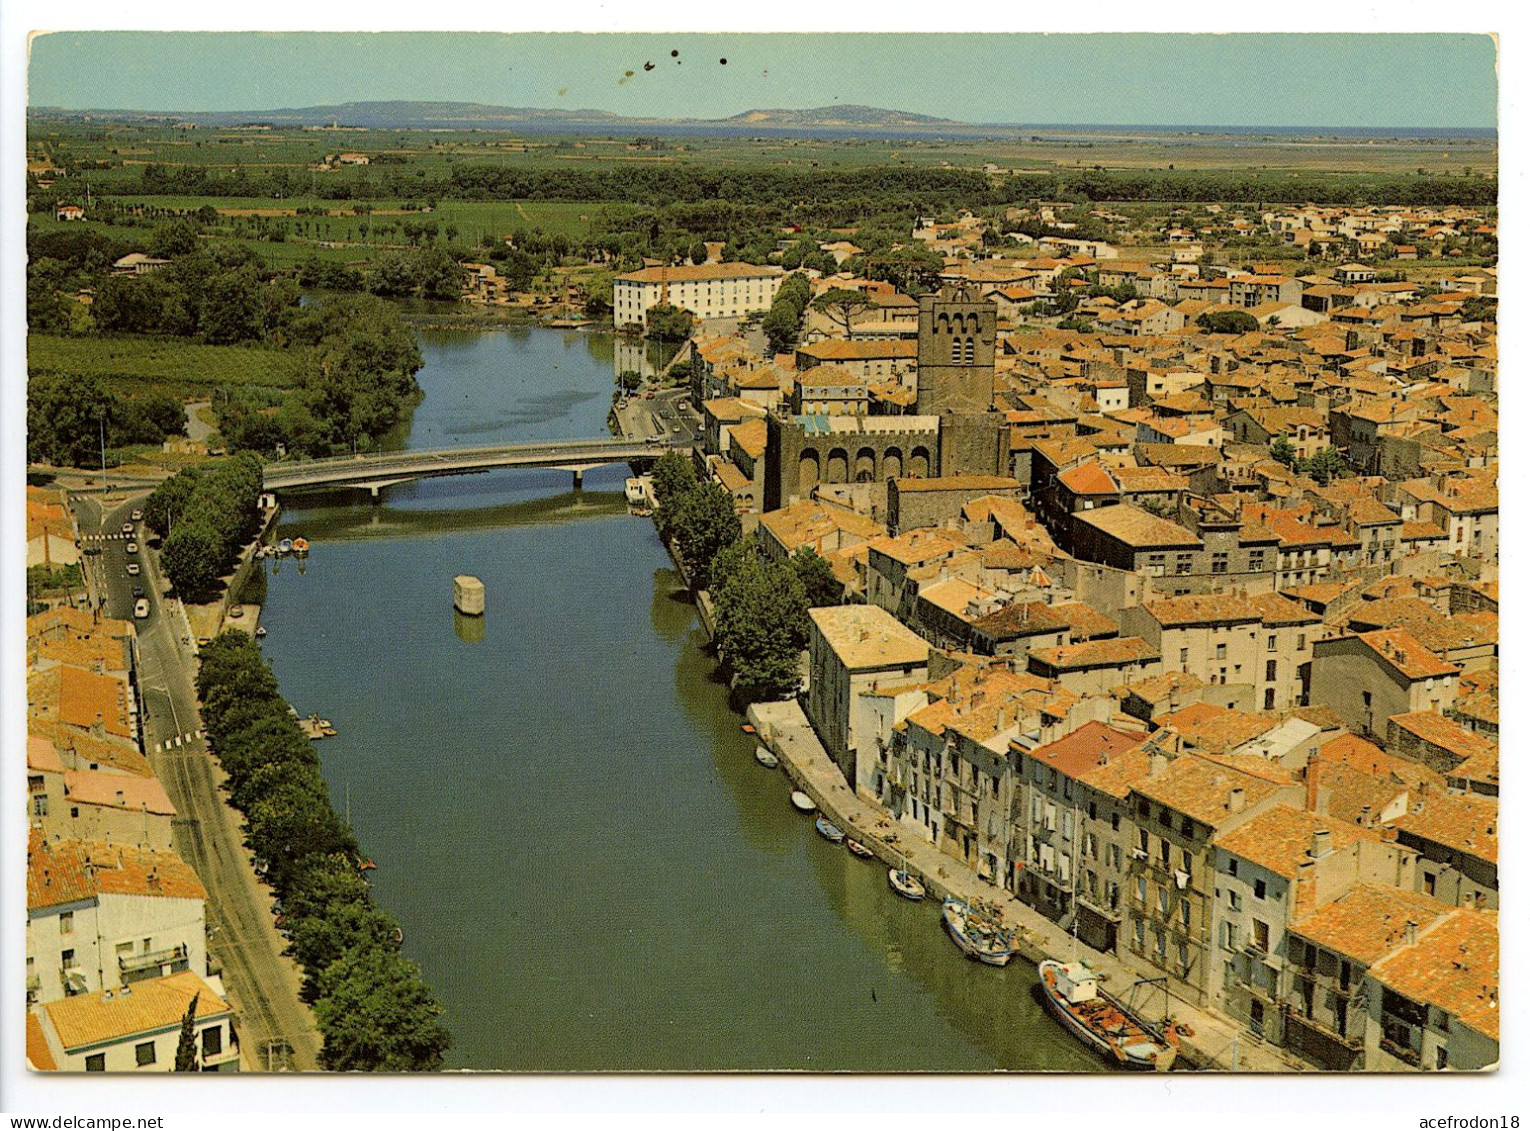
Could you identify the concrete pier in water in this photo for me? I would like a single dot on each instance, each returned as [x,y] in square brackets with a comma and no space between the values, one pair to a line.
[467,595]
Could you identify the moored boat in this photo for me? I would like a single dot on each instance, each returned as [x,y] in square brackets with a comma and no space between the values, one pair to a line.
[802,801]
[1072,995]
[857,848]
[284,546]
[831,833]
[979,937]
[300,546]
[904,884]
[766,758]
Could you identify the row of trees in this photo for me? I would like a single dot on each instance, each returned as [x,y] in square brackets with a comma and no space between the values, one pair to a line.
[761,607]
[70,416]
[205,515]
[783,321]
[929,189]
[373,1007]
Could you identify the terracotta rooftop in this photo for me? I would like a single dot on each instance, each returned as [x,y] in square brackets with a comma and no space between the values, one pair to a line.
[1463,823]
[1369,921]
[1437,730]
[1210,608]
[1108,653]
[861,350]
[1089,479]
[1086,748]
[1280,838]
[63,871]
[1217,729]
[117,791]
[1404,652]
[698,273]
[1137,528]
[1205,790]
[866,637]
[154,1005]
[1454,966]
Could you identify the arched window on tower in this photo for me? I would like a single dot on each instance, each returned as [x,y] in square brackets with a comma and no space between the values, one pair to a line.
[956,351]
[967,351]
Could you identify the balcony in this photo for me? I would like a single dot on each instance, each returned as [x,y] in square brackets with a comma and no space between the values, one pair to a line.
[1402,1052]
[152,960]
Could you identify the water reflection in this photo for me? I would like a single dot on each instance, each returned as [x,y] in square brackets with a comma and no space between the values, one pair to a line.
[470,629]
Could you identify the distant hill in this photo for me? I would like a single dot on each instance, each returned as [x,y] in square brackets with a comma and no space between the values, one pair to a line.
[826,120]
[844,116]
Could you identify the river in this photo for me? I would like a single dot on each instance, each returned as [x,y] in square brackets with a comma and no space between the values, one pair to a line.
[589,866]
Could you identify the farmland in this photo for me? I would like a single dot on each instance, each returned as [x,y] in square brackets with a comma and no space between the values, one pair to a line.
[164,364]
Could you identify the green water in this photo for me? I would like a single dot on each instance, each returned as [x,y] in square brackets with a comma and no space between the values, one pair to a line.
[588,864]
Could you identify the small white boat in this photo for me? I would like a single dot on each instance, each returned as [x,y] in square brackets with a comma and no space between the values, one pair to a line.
[284,546]
[858,849]
[904,884]
[261,631]
[766,758]
[802,801]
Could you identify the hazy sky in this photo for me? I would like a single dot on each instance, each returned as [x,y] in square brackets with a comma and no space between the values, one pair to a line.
[1416,80]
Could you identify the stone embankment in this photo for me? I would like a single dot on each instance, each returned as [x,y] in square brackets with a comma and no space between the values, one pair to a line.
[785,730]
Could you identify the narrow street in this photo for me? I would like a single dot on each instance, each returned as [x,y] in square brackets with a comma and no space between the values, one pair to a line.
[277,1030]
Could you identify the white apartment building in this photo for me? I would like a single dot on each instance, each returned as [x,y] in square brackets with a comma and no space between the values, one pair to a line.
[711,290]
[101,916]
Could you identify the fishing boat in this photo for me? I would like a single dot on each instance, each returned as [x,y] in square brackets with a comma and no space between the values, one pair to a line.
[857,848]
[1072,995]
[300,546]
[364,865]
[978,936]
[831,833]
[284,546]
[802,801]
[766,758]
[905,884]
[261,631]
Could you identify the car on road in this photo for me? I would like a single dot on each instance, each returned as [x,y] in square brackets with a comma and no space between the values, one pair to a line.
[236,611]
[127,528]
[137,516]
[132,547]
[132,569]
[137,592]
[141,608]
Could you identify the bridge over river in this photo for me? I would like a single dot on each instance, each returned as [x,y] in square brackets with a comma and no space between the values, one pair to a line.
[384,469]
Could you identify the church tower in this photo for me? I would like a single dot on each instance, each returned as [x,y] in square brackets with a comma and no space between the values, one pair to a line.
[957,332]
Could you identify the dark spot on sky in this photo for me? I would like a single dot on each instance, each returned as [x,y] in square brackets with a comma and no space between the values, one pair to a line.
[724,62]
[674,54]
[629,74]
[647,66]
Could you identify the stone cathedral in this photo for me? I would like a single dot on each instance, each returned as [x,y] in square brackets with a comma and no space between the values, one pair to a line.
[953,429]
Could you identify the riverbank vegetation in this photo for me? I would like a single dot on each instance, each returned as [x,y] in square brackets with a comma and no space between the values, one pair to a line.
[205,516]
[760,606]
[373,1007]
[71,417]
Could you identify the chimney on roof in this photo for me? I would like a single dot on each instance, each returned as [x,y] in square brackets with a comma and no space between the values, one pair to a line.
[1158,763]
[1322,843]
[1410,932]
[1236,799]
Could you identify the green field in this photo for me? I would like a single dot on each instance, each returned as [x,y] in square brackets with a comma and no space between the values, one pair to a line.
[170,365]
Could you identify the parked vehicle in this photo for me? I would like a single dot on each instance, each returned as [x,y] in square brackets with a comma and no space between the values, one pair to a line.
[133,569]
[132,547]
[138,516]
[141,608]
[127,528]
